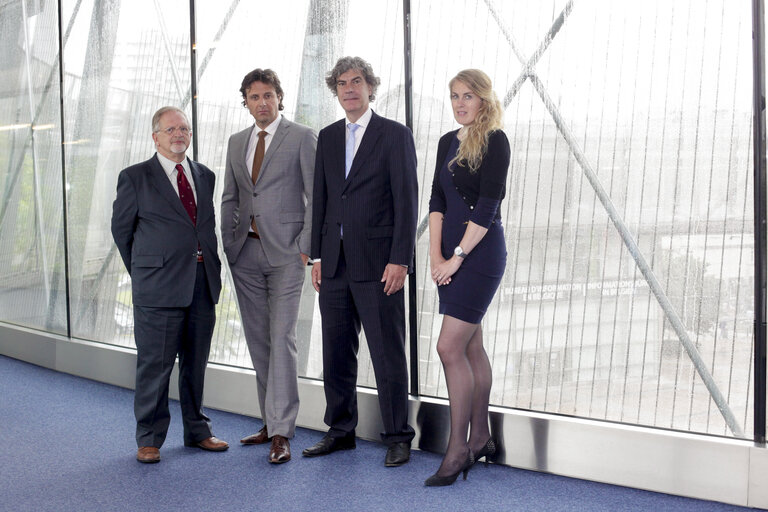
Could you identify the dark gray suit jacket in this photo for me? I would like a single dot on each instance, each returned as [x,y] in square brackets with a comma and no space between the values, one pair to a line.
[156,237]
[377,203]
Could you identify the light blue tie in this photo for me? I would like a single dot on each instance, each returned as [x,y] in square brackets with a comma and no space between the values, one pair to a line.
[350,151]
[349,155]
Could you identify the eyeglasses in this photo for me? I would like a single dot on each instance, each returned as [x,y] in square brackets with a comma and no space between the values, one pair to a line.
[170,130]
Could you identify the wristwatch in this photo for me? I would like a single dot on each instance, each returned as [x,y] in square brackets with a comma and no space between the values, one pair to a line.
[458,251]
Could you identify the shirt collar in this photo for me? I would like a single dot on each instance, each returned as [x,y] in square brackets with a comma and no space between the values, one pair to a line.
[364,119]
[271,129]
[169,165]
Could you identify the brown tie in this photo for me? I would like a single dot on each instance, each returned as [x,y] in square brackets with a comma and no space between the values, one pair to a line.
[258,158]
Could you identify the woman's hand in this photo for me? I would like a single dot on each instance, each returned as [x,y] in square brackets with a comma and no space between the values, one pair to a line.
[443,269]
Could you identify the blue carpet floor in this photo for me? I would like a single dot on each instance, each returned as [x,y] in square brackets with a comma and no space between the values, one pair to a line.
[68,444]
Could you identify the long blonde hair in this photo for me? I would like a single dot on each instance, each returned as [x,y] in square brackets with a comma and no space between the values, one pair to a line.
[489,118]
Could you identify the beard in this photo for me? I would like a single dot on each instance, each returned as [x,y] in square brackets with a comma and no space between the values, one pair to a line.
[178,147]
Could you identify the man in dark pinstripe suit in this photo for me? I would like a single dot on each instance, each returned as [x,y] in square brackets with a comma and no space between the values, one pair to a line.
[363,235]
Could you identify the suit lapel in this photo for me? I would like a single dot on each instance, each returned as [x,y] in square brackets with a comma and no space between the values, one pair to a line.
[337,133]
[163,185]
[246,137]
[370,138]
[282,130]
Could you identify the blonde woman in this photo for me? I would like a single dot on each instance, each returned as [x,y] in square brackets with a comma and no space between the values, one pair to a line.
[468,256]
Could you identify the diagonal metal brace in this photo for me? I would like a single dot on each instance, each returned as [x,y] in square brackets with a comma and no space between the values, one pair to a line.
[626,236]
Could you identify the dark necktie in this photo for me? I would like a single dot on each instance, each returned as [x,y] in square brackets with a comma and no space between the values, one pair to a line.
[185,194]
[258,158]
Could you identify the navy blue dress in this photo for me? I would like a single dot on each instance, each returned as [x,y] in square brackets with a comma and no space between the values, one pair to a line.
[473,286]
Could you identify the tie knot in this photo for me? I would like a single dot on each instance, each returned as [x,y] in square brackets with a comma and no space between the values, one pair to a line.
[352,127]
[180,169]
[262,134]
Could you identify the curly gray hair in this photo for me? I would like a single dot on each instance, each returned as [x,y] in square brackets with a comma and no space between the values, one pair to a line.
[345,64]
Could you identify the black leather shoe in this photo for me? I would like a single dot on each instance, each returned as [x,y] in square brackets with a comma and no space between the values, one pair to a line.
[328,445]
[397,455]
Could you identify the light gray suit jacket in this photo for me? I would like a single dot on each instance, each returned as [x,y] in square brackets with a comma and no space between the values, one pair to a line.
[281,201]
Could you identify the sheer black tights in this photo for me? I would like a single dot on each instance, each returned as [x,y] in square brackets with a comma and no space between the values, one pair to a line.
[468,376]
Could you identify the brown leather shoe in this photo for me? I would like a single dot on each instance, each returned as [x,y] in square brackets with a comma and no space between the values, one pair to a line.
[213,444]
[148,454]
[280,451]
[260,437]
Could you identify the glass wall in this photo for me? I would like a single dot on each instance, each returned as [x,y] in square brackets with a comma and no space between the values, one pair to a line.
[32,270]
[312,35]
[122,61]
[653,101]
[628,294]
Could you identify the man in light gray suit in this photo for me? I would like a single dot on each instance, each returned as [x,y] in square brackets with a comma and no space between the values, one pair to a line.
[266,216]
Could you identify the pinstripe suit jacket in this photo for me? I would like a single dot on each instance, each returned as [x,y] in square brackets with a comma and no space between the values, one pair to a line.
[377,203]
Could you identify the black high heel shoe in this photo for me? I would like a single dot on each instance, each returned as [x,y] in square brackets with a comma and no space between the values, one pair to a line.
[441,481]
[488,449]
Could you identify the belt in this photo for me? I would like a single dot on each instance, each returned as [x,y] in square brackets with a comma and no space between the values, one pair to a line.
[251,234]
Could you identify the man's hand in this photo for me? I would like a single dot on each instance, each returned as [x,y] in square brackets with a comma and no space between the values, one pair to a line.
[394,278]
[316,276]
[304,259]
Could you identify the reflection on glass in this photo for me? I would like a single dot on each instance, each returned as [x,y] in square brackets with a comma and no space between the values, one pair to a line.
[656,99]
[123,61]
[32,271]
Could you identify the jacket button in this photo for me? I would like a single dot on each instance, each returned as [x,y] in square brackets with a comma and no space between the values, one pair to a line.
[255,194]
[343,196]
[471,207]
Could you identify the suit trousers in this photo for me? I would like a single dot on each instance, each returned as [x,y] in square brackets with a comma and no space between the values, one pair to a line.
[269,307]
[161,334]
[344,306]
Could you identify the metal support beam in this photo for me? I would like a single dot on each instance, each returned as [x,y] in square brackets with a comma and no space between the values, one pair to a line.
[65,229]
[758,127]
[192,73]
[412,300]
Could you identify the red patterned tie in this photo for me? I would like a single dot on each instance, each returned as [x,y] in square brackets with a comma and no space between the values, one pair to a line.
[185,194]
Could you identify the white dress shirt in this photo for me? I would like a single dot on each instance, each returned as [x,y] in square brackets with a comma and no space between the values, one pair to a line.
[271,129]
[169,166]
[254,140]
[362,124]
